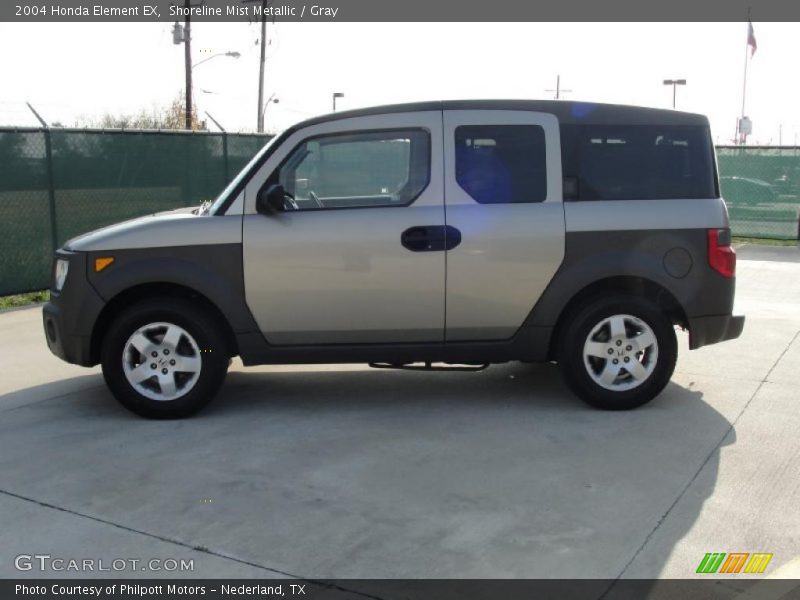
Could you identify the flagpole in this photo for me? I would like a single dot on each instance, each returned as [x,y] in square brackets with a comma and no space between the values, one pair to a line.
[742,137]
[744,81]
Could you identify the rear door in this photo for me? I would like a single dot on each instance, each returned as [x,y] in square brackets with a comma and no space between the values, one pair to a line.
[503,193]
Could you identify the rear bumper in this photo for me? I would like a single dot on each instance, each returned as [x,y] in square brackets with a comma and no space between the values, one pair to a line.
[711,330]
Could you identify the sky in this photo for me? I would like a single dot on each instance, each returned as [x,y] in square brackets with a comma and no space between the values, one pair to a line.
[73,70]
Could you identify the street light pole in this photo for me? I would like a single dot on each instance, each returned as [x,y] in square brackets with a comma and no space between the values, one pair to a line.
[232,54]
[335,96]
[271,100]
[674,83]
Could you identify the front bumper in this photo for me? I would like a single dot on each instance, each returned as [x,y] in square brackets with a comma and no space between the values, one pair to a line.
[711,330]
[70,315]
[65,344]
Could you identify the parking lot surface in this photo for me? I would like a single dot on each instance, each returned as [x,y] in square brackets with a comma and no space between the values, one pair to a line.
[350,472]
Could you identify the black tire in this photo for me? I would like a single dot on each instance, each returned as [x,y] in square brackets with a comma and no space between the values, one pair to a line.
[209,338]
[581,322]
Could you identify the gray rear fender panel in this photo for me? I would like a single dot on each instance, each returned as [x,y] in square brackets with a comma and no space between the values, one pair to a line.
[592,256]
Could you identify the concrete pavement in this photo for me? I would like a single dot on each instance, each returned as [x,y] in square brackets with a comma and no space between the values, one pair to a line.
[349,472]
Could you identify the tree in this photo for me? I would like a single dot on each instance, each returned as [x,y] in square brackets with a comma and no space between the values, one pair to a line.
[169,117]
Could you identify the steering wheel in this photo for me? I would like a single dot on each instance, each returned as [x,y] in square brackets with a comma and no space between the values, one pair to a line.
[316,199]
[289,199]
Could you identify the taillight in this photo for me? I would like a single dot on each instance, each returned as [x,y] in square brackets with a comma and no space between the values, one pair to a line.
[721,256]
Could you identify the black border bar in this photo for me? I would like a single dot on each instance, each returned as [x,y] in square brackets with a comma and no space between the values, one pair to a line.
[707,588]
[402,11]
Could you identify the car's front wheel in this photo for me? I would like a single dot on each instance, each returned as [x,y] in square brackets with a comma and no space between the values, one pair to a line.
[618,353]
[164,358]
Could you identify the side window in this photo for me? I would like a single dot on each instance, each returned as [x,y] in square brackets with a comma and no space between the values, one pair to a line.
[645,162]
[376,168]
[501,164]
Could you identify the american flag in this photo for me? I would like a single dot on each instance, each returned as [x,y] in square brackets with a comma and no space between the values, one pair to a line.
[751,38]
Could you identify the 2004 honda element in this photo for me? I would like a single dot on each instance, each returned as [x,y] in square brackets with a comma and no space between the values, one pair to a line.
[463,232]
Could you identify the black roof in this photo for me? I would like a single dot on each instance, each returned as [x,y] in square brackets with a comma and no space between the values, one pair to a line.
[591,113]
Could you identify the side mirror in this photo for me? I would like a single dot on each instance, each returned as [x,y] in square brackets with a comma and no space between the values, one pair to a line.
[271,199]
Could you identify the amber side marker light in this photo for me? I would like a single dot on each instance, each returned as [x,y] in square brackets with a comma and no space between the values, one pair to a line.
[102,263]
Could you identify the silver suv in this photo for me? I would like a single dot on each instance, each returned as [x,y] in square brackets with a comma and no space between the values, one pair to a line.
[462,232]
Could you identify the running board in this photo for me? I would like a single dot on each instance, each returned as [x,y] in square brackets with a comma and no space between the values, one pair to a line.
[428,366]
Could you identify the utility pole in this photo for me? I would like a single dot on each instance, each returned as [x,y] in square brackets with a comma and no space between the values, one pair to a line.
[260,120]
[558,89]
[262,63]
[184,36]
[187,57]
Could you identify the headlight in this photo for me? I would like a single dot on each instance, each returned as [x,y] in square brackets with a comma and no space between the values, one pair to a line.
[62,266]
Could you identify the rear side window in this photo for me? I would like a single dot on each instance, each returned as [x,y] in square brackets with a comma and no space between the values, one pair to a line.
[501,164]
[645,162]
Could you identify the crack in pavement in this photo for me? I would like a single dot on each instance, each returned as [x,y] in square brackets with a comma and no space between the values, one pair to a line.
[200,549]
[702,466]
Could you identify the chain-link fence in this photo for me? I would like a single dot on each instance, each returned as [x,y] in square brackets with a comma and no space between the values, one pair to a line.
[58,183]
[761,185]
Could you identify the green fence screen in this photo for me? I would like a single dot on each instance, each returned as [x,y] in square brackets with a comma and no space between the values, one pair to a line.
[762,188]
[58,183]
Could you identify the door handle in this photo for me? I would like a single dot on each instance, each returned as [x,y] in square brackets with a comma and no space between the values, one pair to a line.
[430,238]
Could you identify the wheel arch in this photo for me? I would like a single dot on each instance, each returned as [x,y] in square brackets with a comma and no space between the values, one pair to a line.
[136,293]
[636,286]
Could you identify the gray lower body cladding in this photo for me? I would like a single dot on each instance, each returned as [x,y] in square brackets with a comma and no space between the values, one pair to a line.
[529,344]
[212,270]
[75,317]
[712,330]
[674,260]
[70,315]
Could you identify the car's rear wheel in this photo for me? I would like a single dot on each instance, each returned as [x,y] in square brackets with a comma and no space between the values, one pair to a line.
[164,358]
[618,353]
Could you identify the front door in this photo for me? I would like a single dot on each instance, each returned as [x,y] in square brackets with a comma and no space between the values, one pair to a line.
[503,190]
[354,257]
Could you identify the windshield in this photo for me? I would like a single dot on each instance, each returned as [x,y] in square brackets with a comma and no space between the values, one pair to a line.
[243,174]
